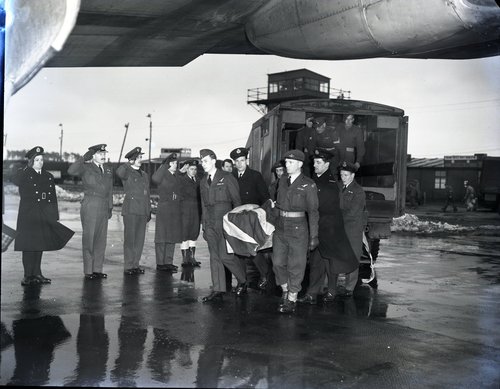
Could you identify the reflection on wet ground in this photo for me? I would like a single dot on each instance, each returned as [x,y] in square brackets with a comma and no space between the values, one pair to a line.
[432,322]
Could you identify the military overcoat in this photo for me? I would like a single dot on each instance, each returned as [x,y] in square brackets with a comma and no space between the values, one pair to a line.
[191,207]
[353,205]
[169,214]
[37,221]
[333,241]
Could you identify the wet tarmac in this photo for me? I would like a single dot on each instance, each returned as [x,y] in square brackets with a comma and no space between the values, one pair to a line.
[433,322]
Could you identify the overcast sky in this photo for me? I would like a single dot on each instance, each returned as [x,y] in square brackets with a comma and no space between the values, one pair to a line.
[453,106]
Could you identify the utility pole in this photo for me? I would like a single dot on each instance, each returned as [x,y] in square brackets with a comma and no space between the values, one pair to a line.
[61,141]
[123,144]
[150,139]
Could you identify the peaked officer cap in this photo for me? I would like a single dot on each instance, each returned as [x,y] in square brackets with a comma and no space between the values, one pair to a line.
[348,167]
[172,157]
[320,120]
[239,152]
[134,153]
[192,162]
[98,148]
[295,154]
[278,164]
[324,154]
[37,150]
[205,152]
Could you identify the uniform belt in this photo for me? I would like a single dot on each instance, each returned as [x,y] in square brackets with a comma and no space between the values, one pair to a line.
[292,214]
[351,149]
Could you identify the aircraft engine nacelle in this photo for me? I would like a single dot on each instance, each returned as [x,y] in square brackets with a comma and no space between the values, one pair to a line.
[337,29]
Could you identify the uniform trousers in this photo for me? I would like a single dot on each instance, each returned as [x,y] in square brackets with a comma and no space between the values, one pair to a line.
[320,268]
[290,245]
[262,263]
[133,242]
[94,215]
[32,263]
[219,258]
[164,253]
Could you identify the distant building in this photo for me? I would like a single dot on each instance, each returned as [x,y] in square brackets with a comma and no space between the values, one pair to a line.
[433,174]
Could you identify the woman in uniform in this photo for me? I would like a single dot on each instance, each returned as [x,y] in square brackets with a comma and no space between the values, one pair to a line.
[38,229]
[168,229]
[191,210]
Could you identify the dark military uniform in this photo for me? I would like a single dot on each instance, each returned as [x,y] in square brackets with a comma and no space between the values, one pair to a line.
[253,189]
[38,229]
[291,237]
[191,207]
[95,211]
[168,230]
[353,205]
[306,142]
[218,198]
[334,254]
[352,144]
[136,212]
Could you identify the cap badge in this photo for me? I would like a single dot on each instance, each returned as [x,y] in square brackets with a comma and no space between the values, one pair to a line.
[38,149]
[238,151]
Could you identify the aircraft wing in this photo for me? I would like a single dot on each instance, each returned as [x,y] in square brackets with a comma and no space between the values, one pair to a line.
[155,33]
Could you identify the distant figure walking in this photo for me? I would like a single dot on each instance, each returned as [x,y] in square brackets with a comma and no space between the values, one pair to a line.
[449,199]
[470,199]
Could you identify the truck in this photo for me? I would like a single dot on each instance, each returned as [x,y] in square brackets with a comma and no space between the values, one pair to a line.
[489,183]
[383,170]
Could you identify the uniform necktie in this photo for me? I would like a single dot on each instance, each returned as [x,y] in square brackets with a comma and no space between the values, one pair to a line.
[193,179]
[102,170]
[289,181]
[344,188]
[209,179]
[241,175]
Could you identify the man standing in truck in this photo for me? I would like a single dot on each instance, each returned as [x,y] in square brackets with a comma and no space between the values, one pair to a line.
[352,143]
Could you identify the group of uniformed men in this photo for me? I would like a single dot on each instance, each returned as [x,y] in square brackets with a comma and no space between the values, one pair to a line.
[316,218]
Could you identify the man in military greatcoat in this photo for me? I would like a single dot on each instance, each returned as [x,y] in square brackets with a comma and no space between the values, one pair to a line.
[168,229]
[219,195]
[96,209]
[253,190]
[191,210]
[136,209]
[296,229]
[353,205]
[352,142]
[334,254]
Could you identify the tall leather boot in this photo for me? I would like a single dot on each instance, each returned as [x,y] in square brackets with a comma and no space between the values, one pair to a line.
[192,259]
[185,258]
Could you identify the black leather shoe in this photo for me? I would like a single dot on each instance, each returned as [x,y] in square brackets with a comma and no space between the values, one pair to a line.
[186,264]
[129,272]
[263,282]
[213,296]
[287,307]
[30,280]
[43,280]
[174,266]
[345,294]
[284,298]
[90,276]
[139,270]
[328,297]
[308,299]
[160,267]
[241,289]
[100,275]
[171,268]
